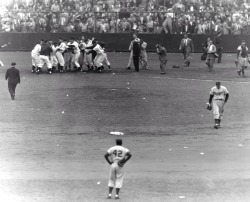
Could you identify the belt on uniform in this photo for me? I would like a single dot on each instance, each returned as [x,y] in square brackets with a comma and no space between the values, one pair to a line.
[219,99]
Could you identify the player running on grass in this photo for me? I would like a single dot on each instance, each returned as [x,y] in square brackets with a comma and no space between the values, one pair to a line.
[242,58]
[218,98]
[116,156]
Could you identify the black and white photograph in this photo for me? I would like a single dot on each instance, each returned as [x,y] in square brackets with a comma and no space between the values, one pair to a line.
[124,100]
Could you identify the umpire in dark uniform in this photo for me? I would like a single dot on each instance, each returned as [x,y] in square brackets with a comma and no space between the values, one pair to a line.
[218,44]
[13,77]
[136,53]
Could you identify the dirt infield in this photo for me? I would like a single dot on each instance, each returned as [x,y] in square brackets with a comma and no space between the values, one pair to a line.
[55,134]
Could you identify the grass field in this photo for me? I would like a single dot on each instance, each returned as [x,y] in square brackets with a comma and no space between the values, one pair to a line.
[55,134]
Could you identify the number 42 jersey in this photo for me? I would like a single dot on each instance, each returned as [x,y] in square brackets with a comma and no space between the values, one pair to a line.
[117,153]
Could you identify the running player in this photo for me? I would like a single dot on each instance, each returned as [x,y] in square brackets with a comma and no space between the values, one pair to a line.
[35,56]
[113,156]
[242,58]
[44,56]
[74,47]
[101,57]
[88,54]
[59,54]
[218,97]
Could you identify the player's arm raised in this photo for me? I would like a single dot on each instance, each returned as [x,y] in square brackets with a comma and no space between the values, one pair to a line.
[106,156]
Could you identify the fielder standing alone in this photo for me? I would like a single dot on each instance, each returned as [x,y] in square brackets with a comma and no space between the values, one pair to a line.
[119,156]
[218,98]
[242,58]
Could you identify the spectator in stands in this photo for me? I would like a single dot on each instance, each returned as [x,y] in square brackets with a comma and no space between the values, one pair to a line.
[55,7]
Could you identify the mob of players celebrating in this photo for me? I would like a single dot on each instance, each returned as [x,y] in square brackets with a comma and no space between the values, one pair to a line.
[69,55]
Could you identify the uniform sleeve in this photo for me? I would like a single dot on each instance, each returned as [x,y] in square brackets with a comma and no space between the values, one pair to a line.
[239,48]
[110,150]
[212,91]
[225,90]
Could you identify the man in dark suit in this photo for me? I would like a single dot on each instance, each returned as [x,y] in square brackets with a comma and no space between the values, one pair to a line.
[13,77]
[136,47]
[186,47]
[218,44]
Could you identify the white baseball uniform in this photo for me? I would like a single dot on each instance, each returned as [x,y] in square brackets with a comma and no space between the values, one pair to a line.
[76,53]
[35,55]
[117,153]
[101,56]
[59,53]
[88,57]
[218,103]
[53,58]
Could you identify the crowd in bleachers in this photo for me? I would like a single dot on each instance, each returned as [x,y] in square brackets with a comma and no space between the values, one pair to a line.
[126,16]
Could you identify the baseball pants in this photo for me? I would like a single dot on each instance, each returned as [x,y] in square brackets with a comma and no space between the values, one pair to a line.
[67,58]
[60,58]
[53,60]
[100,59]
[88,58]
[35,60]
[116,176]
[218,108]
[186,55]
[75,59]
[45,60]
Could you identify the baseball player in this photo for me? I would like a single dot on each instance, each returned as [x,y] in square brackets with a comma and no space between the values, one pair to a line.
[61,48]
[74,47]
[218,98]
[144,58]
[53,58]
[44,56]
[82,46]
[101,57]
[88,55]
[162,57]
[35,56]
[116,156]
[242,58]
[67,55]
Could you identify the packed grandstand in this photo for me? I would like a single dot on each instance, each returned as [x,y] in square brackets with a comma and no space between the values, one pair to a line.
[126,16]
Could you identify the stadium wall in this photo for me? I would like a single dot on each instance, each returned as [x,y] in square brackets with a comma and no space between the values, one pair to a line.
[118,42]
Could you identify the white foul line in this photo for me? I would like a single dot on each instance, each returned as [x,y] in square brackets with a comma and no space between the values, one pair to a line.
[205,80]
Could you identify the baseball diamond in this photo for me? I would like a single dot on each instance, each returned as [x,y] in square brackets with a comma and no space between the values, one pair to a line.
[56,131]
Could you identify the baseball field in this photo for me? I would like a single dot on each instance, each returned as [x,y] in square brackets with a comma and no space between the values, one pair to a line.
[55,134]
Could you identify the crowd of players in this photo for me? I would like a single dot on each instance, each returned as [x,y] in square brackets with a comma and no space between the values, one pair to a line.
[69,55]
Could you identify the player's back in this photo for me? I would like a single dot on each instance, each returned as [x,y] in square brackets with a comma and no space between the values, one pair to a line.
[117,153]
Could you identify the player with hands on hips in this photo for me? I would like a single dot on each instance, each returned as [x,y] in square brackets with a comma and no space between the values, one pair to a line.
[116,156]
[218,98]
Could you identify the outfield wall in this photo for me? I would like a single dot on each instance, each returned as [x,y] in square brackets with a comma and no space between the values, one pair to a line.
[118,42]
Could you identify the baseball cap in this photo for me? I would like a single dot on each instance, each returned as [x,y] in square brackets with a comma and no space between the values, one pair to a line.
[13,64]
[217,83]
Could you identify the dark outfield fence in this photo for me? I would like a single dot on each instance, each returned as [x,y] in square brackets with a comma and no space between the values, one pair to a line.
[118,42]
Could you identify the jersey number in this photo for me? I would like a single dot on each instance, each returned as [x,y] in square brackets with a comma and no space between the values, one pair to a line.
[118,153]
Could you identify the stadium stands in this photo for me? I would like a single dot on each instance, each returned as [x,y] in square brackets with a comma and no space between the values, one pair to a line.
[126,16]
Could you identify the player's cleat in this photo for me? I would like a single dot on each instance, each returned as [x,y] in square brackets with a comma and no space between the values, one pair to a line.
[117,197]
[239,71]
[163,73]
[109,196]
[188,63]
[33,71]
[50,71]
[128,68]
[216,126]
